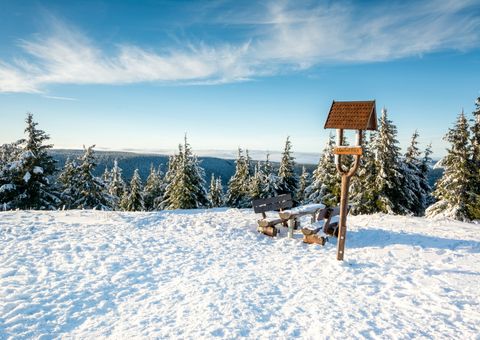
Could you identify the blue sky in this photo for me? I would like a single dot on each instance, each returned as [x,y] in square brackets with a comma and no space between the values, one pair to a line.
[139,74]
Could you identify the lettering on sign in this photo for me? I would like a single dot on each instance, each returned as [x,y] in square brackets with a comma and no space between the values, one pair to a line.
[348,150]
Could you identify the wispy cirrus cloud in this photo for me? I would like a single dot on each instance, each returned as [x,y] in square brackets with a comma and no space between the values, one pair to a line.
[284,37]
[60,98]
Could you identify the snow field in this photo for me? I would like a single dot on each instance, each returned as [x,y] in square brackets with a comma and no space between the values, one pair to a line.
[208,273]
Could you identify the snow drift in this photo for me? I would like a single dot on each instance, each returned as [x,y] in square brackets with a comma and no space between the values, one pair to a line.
[208,273]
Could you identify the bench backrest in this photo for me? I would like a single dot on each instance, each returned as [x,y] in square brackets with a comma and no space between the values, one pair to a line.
[279,202]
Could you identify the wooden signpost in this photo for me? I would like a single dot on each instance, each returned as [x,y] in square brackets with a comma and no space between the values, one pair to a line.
[359,116]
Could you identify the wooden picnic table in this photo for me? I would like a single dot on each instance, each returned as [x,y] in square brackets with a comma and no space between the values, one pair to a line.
[292,215]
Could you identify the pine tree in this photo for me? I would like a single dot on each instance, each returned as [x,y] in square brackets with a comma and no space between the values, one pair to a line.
[413,178]
[106,176]
[424,171]
[132,199]
[115,184]
[89,192]
[325,184]
[35,169]
[257,183]
[454,193]
[363,188]
[270,179]
[173,165]
[9,164]
[215,194]
[476,137]
[392,198]
[186,185]
[238,186]
[475,141]
[304,182]
[287,178]
[154,190]
[249,163]
[67,180]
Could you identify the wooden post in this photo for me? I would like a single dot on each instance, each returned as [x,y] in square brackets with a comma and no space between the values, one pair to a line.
[346,175]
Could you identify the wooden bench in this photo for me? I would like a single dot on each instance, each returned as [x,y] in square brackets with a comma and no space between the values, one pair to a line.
[266,225]
[327,220]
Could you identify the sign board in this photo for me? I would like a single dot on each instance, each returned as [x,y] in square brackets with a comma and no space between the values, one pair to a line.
[347,150]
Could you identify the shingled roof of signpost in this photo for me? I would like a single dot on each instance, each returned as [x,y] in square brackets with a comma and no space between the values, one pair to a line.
[355,115]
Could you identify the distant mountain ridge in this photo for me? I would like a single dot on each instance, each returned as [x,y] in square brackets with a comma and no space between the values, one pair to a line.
[257,155]
[129,161]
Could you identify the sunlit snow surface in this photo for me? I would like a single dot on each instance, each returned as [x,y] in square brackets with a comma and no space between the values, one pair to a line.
[202,274]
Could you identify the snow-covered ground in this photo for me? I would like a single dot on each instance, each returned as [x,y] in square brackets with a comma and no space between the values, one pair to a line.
[204,274]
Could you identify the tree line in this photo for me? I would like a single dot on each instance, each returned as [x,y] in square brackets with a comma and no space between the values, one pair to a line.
[387,181]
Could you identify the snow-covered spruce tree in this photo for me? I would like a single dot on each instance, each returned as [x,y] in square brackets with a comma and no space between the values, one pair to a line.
[106,176]
[287,178]
[476,148]
[89,192]
[303,183]
[68,183]
[325,179]
[9,153]
[270,179]
[256,183]
[425,170]
[453,190]
[248,159]
[363,189]
[36,167]
[393,198]
[215,194]
[154,189]
[238,195]
[186,186]
[116,185]
[173,164]
[132,199]
[416,185]
[220,191]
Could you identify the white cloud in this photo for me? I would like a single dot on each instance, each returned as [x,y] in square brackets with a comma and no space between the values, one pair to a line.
[340,33]
[60,98]
[13,79]
[285,38]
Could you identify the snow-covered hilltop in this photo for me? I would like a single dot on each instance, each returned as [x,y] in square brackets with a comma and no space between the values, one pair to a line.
[208,273]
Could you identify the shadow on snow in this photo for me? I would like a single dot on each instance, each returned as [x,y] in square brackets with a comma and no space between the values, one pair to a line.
[381,238]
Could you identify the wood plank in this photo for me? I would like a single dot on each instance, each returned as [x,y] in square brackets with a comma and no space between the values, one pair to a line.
[347,150]
[272,203]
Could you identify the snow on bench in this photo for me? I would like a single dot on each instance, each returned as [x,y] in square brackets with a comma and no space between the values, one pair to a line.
[307,209]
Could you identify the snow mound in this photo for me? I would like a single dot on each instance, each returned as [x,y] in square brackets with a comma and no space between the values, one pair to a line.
[204,274]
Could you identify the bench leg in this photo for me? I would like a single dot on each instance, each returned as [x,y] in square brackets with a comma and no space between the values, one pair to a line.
[314,239]
[291,226]
[269,230]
